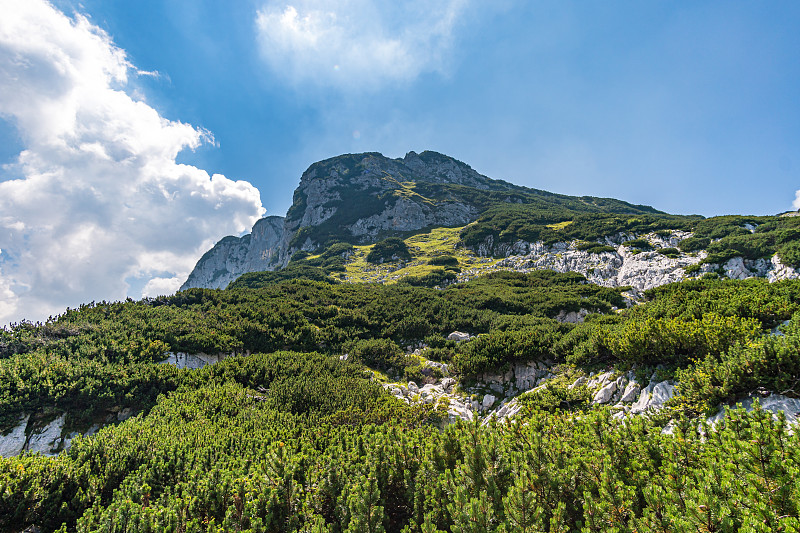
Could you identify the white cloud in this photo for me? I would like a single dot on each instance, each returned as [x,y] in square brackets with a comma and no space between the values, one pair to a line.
[160,286]
[97,196]
[357,44]
[796,202]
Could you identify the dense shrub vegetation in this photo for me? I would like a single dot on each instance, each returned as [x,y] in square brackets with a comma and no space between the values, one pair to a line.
[391,249]
[749,237]
[724,237]
[435,278]
[242,464]
[444,261]
[508,224]
[102,354]
[291,436]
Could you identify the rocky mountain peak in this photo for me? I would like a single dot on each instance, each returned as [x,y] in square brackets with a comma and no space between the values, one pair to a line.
[427,166]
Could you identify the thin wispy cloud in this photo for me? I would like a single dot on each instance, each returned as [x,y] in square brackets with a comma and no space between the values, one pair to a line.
[357,45]
[96,197]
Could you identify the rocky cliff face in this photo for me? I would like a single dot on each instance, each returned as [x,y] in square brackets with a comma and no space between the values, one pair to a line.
[233,256]
[356,198]
[360,197]
[639,270]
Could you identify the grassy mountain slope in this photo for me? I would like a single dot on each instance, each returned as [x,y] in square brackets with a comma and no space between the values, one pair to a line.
[357,186]
[301,440]
[296,432]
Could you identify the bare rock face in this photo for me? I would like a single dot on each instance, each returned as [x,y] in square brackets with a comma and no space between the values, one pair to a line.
[640,270]
[34,436]
[48,440]
[193,361]
[13,442]
[407,215]
[363,196]
[233,256]
[623,267]
[353,197]
[774,403]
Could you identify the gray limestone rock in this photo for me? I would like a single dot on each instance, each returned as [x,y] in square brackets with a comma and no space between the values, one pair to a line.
[578,382]
[447,384]
[662,393]
[641,271]
[631,392]
[605,394]
[233,256]
[779,271]
[644,399]
[193,360]
[458,336]
[572,317]
[13,443]
[774,403]
[47,440]
[488,401]
[408,215]
[654,396]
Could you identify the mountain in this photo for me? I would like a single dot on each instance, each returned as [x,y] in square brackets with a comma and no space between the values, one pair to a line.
[433,351]
[361,198]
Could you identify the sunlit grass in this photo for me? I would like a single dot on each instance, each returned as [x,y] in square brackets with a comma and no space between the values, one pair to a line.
[423,247]
[559,225]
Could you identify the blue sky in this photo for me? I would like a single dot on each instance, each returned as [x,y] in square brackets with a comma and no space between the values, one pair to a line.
[688,106]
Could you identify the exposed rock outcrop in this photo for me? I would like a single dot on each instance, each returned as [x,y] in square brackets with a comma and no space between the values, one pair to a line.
[233,256]
[407,215]
[13,442]
[355,197]
[193,360]
[36,435]
[774,403]
[640,270]
[623,267]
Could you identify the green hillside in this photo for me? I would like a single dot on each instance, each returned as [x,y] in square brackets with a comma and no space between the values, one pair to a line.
[370,183]
[320,413]
[288,436]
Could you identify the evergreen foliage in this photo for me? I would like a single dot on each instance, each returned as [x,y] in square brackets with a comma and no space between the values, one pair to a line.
[391,249]
[746,236]
[444,261]
[305,440]
[508,224]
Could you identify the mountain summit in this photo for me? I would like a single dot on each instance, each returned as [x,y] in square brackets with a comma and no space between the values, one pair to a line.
[362,198]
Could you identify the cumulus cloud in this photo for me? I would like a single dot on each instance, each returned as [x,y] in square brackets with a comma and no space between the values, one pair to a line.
[96,196]
[357,44]
[796,202]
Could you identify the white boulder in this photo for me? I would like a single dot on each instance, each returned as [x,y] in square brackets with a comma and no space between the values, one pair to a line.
[488,401]
[631,393]
[605,394]
[578,382]
[458,336]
